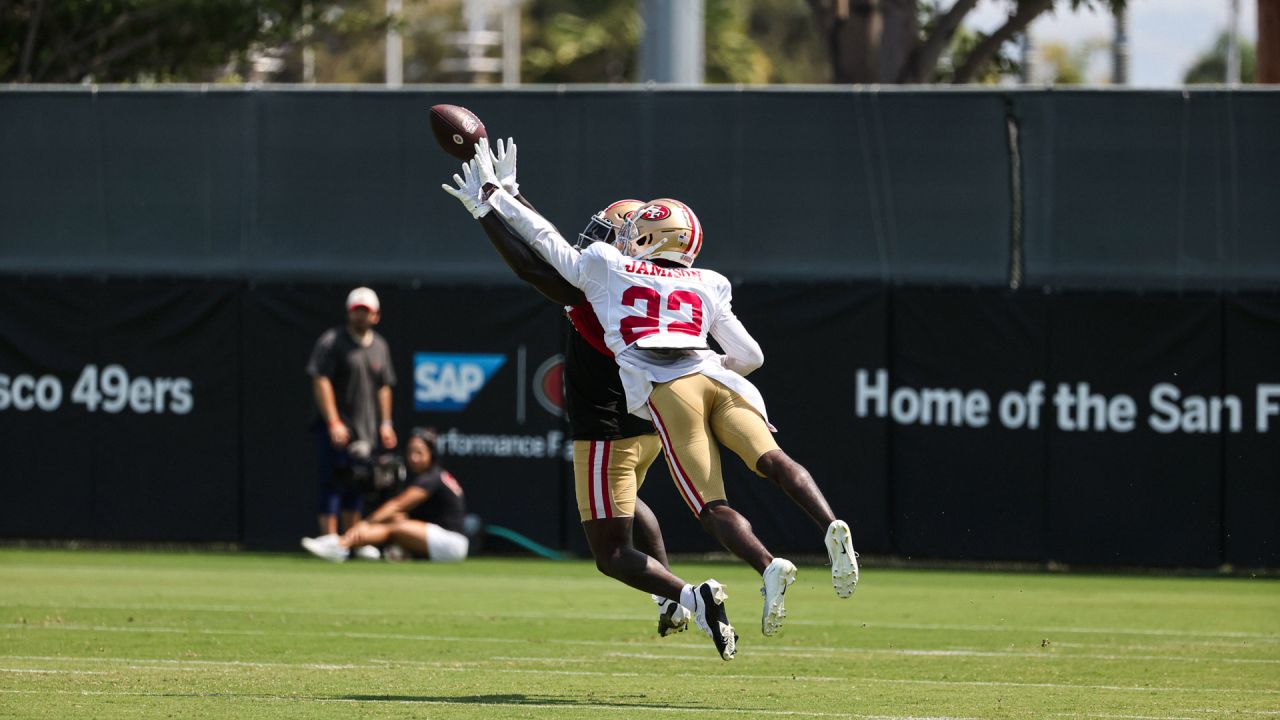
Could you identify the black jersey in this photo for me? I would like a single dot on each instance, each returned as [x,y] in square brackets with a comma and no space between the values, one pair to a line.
[357,373]
[444,505]
[596,405]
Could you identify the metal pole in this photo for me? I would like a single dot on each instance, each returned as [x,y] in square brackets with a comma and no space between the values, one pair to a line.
[674,38]
[1120,49]
[395,47]
[308,50]
[1026,48]
[1233,44]
[511,43]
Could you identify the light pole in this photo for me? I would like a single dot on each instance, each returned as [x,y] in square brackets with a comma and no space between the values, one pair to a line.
[395,45]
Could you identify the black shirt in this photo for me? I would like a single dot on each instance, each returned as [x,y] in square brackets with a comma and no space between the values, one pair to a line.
[444,505]
[357,373]
[594,400]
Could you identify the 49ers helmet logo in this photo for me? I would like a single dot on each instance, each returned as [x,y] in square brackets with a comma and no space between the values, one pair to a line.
[653,212]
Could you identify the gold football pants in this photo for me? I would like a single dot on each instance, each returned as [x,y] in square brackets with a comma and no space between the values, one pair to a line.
[692,414]
[607,474]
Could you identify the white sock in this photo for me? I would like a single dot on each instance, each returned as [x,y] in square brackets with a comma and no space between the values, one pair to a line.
[687,598]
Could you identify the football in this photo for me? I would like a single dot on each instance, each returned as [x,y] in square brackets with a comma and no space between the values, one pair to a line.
[457,129]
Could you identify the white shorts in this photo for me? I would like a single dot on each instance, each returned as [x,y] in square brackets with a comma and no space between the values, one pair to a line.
[446,545]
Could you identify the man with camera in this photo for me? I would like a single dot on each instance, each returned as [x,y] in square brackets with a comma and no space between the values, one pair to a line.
[425,519]
[351,378]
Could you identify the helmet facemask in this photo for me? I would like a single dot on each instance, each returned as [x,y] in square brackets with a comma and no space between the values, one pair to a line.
[604,225]
[598,229]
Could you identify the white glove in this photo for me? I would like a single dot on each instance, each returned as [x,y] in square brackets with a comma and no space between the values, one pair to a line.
[482,166]
[505,166]
[469,191]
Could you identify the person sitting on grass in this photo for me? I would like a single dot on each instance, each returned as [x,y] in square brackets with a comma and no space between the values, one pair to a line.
[426,519]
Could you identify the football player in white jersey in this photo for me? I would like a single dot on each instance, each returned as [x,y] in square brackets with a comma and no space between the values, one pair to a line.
[657,313]
[612,448]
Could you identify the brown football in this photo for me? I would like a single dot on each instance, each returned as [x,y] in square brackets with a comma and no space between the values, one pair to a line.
[457,129]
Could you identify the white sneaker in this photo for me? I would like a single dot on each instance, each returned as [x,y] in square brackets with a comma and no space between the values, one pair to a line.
[777,577]
[326,547]
[709,614]
[368,552]
[844,561]
[672,616]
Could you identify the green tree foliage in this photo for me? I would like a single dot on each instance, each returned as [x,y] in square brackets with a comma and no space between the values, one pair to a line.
[785,32]
[598,41]
[564,41]
[70,41]
[577,41]
[1063,64]
[349,42]
[1211,66]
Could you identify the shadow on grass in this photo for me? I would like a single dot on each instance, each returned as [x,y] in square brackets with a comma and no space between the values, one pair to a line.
[515,700]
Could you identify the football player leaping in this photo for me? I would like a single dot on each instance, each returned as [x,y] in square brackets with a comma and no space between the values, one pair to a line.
[656,314]
[612,449]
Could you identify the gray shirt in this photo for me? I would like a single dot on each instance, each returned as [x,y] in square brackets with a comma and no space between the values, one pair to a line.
[357,372]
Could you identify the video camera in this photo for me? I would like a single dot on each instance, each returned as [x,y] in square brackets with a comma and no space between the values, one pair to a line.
[378,476]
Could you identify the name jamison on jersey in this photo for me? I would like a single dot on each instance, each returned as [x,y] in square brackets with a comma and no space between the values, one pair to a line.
[656,319]
[640,267]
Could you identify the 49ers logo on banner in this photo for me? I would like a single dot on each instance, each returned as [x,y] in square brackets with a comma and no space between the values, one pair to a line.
[548,385]
[654,212]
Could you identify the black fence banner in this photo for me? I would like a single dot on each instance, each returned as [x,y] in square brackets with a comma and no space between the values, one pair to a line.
[1135,450]
[118,410]
[1093,428]
[469,360]
[1101,428]
[1251,454]
[964,377]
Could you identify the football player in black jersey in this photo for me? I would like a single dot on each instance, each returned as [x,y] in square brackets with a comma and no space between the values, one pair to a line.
[612,449]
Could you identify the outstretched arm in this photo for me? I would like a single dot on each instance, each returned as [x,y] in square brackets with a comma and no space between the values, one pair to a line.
[514,251]
[540,234]
[528,225]
[527,265]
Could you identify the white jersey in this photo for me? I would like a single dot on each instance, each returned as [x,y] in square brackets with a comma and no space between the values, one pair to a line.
[656,319]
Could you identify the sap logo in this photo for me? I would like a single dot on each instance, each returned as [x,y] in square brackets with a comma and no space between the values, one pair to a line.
[446,381]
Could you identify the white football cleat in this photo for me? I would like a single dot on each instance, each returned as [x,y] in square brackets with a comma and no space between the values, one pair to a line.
[714,621]
[844,561]
[777,577]
[326,547]
[672,616]
[368,552]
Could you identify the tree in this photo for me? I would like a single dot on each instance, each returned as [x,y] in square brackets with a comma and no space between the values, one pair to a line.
[69,41]
[886,41]
[598,41]
[126,41]
[1268,50]
[1062,64]
[349,42]
[1211,65]
[570,41]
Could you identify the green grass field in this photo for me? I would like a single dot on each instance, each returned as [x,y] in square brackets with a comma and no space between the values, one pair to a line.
[97,634]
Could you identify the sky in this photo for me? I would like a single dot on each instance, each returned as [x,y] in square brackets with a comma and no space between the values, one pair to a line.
[1165,36]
